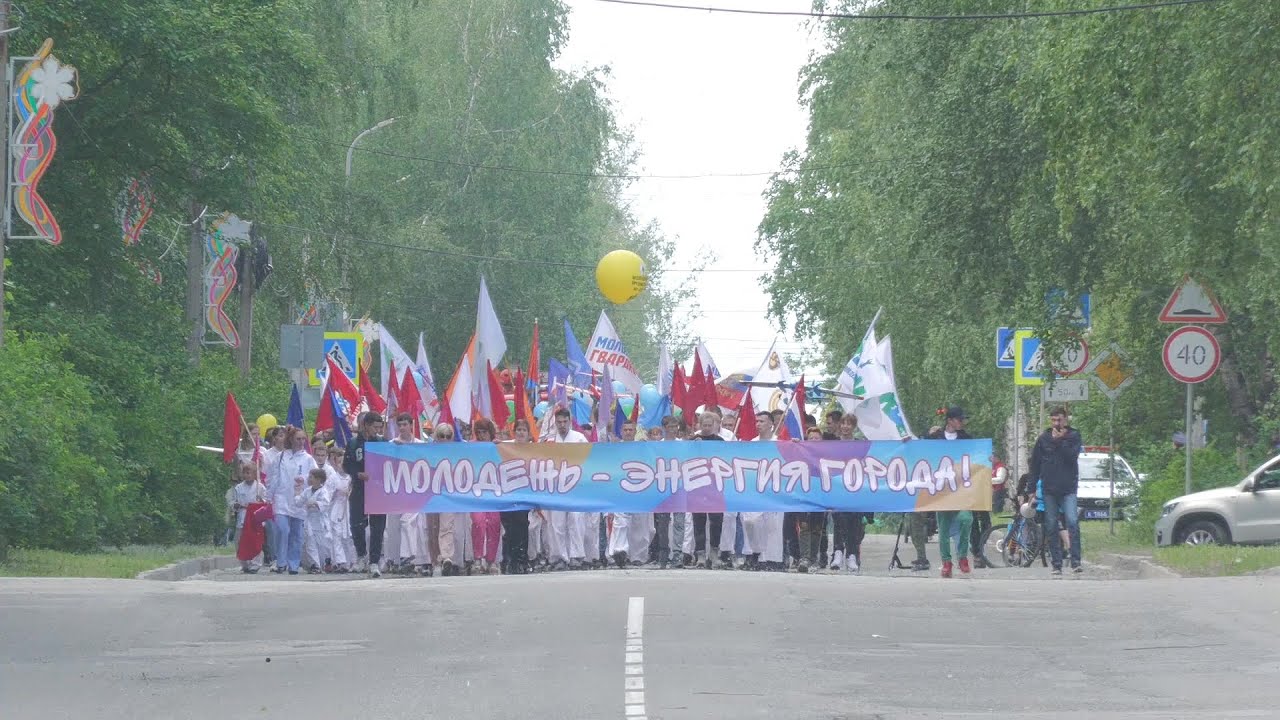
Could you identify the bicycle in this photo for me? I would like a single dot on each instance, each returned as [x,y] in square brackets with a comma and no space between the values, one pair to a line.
[1017,544]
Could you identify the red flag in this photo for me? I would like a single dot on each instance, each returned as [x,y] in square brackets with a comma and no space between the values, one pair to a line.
[746,429]
[679,391]
[412,403]
[232,426]
[344,392]
[710,395]
[446,412]
[683,397]
[324,416]
[696,380]
[522,399]
[635,410]
[497,398]
[254,536]
[370,395]
[535,359]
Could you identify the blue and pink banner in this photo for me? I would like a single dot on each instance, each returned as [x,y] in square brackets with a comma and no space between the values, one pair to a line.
[858,476]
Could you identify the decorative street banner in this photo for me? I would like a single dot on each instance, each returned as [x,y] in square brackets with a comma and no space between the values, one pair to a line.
[857,476]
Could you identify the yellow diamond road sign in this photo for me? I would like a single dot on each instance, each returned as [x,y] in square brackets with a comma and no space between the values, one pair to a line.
[1112,371]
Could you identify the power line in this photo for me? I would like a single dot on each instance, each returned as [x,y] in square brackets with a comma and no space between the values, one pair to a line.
[581,174]
[862,265]
[903,16]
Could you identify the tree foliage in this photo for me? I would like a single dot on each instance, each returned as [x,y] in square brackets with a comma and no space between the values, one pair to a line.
[497,163]
[957,172]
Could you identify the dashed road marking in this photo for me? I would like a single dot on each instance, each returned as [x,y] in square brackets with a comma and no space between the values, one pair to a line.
[633,670]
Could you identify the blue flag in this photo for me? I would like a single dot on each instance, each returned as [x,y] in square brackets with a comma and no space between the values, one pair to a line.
[295,416]
[651,415]
[619,418]
[582,374]
[557,379]
[341,430]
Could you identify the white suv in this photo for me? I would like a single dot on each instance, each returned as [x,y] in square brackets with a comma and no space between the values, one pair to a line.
[1246,513]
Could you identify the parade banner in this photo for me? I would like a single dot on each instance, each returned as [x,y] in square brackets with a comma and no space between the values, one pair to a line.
[856,476]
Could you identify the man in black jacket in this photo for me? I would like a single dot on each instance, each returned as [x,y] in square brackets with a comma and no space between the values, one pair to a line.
[353,464]
[1055,460]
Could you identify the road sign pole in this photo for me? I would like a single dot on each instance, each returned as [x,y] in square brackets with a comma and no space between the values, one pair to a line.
[1015,446]
[1187,443]
[1111,497]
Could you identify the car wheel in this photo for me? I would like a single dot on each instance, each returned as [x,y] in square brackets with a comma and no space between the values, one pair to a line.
[1204,532]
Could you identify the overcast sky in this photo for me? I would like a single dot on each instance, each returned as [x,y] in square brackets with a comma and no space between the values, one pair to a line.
[705,93]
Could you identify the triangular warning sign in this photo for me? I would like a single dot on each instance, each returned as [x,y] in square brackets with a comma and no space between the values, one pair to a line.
[1193,303]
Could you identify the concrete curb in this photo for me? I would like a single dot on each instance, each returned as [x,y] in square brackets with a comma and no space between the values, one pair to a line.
[187,568]
[1144,567]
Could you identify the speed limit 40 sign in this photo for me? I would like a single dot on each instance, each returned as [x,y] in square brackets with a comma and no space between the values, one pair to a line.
[1191,354]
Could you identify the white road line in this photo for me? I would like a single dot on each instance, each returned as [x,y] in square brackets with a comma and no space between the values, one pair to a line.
[635,617]
[633,671]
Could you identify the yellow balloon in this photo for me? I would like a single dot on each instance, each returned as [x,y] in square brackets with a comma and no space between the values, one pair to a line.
[266,421]
[621,276]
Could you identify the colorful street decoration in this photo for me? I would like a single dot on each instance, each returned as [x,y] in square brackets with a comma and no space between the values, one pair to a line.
[137,203]
[42,85]
[220,251]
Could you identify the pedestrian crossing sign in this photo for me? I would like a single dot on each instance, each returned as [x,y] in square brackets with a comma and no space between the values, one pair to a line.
[1028,358]
[346,349]
[1004,347]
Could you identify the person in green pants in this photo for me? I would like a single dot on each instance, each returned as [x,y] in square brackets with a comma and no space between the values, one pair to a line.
[947,519]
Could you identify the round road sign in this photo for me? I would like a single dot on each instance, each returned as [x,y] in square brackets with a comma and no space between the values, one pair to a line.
[1073,359]
[1191,354]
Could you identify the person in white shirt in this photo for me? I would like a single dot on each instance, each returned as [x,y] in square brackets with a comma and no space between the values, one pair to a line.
[568,529]
[339,484]
[248,490]
[764,530]
[316,500]
[631,532]
[286,490]
[406,534]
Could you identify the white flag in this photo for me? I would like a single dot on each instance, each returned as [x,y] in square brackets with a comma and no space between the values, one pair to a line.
[666,371]
[491,345]
[861,376]
[391,350]
[773,369]
[427,389]
[880,415]
[606,348]
[708,365]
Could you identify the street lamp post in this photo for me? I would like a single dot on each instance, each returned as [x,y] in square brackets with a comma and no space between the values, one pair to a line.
[346,286]
[351,150]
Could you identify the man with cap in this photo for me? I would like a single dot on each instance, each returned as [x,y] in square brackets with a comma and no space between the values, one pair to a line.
[953,430]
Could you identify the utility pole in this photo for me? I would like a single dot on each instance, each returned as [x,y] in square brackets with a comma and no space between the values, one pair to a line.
[4,154]
[248,286]
[195,284]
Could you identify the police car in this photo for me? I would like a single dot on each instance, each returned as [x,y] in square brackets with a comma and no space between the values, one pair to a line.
[1093,497]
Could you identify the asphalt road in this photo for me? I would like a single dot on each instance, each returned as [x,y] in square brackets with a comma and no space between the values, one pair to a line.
[703,644]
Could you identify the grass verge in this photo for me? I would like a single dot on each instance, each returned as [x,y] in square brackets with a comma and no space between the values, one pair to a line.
[1216,560]
[114,563]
